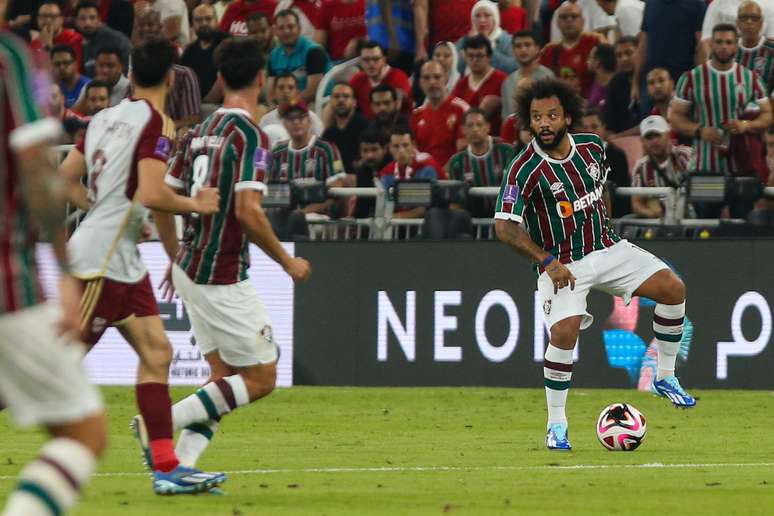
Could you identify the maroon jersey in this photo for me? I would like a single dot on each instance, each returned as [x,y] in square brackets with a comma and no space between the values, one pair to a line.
[227,151]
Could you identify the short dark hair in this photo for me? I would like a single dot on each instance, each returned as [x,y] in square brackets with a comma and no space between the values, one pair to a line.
[595,112]
[94,83]
[239,60]
[374,135]
[381,89]
[402,129]
[627,39]
[547,88]
[474,111]
[724,27]
[258,16]
[110,49]
[85,4]
[151,62]
[286,75]
[287,12]
[605,54]
[478,41]
[524,34]
[59,49]
[368,43]
[344,83]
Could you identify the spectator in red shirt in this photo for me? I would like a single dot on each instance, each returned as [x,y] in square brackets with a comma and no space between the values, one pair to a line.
[513,18]
[441,20]
[482,86]
[376,71]
[568,58]
[437,124]
[234,20]
[342,27]
[52,31]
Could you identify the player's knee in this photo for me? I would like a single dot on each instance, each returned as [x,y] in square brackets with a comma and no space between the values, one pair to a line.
[260,382]
[675,291]
[565,333]
[157,357]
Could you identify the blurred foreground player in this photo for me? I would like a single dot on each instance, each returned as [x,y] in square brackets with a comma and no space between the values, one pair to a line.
[551,210]
[209,271]
[124,155]
[42,380]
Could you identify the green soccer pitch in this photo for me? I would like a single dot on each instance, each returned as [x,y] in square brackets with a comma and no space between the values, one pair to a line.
[406,451]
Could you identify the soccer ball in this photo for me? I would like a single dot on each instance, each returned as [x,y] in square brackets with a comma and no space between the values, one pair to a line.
[621,427]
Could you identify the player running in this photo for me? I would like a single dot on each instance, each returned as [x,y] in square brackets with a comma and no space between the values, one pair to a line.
[124,154]
[209,270]
[42,380]
[551,210]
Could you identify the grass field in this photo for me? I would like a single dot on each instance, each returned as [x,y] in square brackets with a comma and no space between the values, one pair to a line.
[405,451]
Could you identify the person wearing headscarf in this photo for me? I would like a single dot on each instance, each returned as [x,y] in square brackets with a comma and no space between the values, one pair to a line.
[485,19]
[445,53]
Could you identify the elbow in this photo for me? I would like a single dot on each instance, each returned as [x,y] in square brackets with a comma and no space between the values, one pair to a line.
[501,229]
[248,214]
[151,199]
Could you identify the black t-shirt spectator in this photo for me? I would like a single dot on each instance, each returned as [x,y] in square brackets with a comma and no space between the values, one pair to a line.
[316,61]
[201,61]
[347,140]
[120,16]
[618,116]
[619,174]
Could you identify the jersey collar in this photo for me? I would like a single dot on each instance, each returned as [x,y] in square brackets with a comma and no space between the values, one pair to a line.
[548,158]
[484,155]
[302,149]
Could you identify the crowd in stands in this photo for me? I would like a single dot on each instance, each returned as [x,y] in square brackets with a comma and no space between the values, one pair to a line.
[426,89]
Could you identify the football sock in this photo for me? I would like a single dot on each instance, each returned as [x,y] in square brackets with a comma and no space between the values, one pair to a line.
[193,440]
[52,483]
[211,402]
[557,373]
[155,406]
[668,328]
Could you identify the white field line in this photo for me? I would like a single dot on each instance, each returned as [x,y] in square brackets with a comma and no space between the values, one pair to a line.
[432,469]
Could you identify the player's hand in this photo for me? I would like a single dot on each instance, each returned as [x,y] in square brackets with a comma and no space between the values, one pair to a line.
[70,301]
[736,126]
[560,276]
[166,286]
[207,201]
[299,269]
[711,135]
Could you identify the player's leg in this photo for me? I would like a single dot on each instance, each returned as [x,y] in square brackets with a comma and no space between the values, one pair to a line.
[565,313]
[42,382]
[668,291]
[195,438]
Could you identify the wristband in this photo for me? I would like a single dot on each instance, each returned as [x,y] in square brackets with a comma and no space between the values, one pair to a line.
[548,261]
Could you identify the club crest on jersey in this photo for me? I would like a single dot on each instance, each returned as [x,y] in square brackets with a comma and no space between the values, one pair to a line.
[564,209]
[594,171]
[267,333]
[310,166]
[556,188]
[547,307]
[511,193]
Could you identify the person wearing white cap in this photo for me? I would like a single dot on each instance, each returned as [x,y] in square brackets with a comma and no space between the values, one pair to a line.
[664,164]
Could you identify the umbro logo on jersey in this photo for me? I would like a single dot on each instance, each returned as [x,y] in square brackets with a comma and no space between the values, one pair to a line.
[557,187]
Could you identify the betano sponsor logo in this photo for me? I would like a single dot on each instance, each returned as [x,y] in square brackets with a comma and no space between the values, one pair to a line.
[565,209]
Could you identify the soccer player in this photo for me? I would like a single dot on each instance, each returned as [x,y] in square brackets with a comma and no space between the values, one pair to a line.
[551,211]
[124,155]
[42,380]
[232,328]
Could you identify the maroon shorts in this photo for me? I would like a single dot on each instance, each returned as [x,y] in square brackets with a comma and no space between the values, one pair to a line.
[108,303]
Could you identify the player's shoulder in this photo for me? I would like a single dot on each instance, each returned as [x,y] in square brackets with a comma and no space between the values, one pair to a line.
[640,164]
[425,159]
[525,163]
[280,148]
[323,144]
[13,47]
[460,104]
[588,140]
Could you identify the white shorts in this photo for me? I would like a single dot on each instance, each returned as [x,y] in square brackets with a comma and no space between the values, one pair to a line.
[228,318]
[618,270]
[42,378]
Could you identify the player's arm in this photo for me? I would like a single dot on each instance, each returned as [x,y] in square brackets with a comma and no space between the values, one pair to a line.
[258,229]
[156,195]
[72,170]
[316,61]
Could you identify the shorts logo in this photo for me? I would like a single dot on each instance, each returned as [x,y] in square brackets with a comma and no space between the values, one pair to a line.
[564,209]
[267,334]
[594,171]
[547,307]
[511,193]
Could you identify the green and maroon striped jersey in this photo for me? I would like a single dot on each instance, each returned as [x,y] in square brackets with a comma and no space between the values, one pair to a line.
[319,160]
[717,97]
[484,170]
[759,58]
[560,201]
[230,152]
[23,88]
